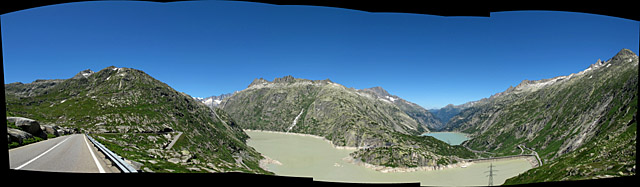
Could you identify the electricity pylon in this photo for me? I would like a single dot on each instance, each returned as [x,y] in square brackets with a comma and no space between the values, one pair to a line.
[491,174]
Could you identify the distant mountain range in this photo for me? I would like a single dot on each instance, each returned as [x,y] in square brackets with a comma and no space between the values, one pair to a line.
[368,118]
[213,101]
[582,125]
[445,113]
[560,118]
[421,115]
[347,116]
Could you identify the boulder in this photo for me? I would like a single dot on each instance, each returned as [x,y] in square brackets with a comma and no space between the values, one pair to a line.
[100,130]
[25,124]
[50,129]
[152,138]
[147,170]
[154,151]
[66,131]
[167,136]
[17,135]
[123,129]
[174,160]
[194,169]
[185,158]
[134,164]
[185,152]
[28,125]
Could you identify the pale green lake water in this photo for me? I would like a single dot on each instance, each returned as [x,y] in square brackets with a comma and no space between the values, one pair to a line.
[453,138]
[304,156]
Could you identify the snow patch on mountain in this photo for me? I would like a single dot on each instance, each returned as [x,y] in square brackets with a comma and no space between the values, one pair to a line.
[392,99]
[214,101]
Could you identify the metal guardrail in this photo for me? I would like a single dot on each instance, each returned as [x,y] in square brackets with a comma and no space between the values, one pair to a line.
[117,160]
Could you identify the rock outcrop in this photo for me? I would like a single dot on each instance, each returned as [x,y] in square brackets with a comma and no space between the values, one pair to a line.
[17,135]
[20,129]
[28,125]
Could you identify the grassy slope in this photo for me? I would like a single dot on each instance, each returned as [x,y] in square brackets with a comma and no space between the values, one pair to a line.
[129,101]
[551,119]
[413,151]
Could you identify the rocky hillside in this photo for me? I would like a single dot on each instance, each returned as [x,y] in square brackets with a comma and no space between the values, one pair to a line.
[582,125]
[408,151]
[133,111]
[445,113]
[425,119]
[343,115]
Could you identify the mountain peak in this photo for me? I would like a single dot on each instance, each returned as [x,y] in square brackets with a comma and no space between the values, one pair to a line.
[625,55]
[625,52]
[285,79]
[258,81]
[378,91]
[524,83]
[83,74]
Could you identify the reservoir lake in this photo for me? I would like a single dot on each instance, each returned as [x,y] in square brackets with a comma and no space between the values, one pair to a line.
[306,156]
[453,138]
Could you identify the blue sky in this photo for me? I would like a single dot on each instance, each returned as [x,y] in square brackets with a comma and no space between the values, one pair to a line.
[212,48]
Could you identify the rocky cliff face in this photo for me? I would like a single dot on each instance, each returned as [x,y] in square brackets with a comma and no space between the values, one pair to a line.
[568,120]
[426,121]
[126,103]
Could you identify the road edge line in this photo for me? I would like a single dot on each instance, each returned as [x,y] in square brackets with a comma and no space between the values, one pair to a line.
[93,155]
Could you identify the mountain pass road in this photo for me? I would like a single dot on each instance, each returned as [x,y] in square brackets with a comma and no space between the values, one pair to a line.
[72,153]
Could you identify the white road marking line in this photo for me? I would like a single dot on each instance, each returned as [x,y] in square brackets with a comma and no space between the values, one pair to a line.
[29,162]
[93,155]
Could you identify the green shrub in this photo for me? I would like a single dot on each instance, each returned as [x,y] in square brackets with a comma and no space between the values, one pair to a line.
[13,144]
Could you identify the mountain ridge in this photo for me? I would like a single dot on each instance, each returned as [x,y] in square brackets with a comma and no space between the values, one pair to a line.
[126,108]
[372,120]
[295,96]
[425,118]
[214,101]
[561,118]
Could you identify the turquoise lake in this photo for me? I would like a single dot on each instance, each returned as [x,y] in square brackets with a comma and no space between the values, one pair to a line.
[453,138]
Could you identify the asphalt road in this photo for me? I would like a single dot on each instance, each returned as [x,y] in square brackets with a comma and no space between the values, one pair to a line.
[72,153]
